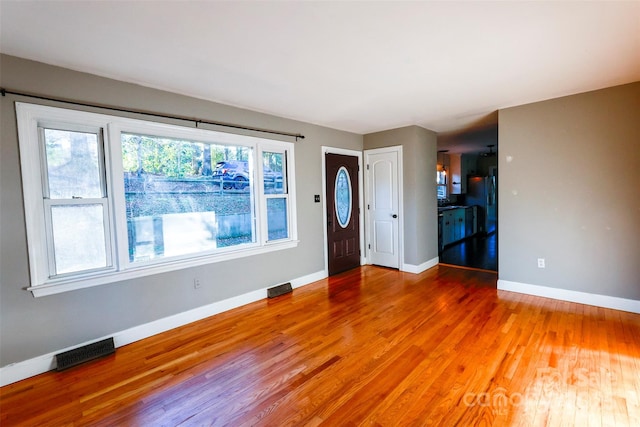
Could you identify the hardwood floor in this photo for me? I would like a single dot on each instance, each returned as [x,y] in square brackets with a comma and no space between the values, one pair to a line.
[479,251]
[371,346]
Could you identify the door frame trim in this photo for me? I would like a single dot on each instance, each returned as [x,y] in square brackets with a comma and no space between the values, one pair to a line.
[353,153]
[397,149]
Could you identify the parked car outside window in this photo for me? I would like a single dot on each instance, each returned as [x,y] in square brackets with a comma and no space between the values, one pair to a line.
[233,173]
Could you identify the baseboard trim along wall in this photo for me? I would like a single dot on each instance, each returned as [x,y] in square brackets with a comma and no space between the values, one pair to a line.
[417,269]
[40,364]
[623,304]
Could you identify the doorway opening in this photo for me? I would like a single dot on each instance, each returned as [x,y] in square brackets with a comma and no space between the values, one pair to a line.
[468,200]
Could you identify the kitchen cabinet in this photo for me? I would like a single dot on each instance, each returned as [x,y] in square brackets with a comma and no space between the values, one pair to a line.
[447,227]
[471,225]
[453,225]
[461,165]
[469,166]
[455,174]
[459,218]
[440,242]
[456,224]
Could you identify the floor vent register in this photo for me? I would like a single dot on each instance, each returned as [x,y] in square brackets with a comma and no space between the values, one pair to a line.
[77,356]
[276,291]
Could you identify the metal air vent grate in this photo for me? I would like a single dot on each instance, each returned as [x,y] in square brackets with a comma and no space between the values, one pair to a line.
[276,291]
[85,353]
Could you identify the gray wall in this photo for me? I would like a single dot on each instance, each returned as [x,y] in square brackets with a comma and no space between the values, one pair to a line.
[31,326]
[570,192]
[420,198]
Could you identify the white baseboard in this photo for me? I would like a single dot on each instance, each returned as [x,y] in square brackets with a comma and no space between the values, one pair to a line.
[37,365]
[309,278]
[416,269]
[605,301]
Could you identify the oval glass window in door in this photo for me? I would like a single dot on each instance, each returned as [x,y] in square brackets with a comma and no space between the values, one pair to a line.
[342,197]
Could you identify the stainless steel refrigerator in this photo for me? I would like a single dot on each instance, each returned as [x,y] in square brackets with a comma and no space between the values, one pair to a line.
[481,192]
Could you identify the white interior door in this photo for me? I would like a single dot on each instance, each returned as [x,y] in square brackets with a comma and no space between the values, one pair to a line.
[383,208]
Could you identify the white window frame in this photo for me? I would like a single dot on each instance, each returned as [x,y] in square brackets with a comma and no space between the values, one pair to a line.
[31,117]
[288,186]
[441,184]
[49,203]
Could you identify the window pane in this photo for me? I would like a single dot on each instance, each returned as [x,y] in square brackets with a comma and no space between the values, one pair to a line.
[273,172]
[442,191]
[277,218]
[73,164]
[342,197]
[78,237]
[185,197]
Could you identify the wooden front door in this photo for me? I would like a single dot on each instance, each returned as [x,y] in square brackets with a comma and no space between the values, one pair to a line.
[343,225]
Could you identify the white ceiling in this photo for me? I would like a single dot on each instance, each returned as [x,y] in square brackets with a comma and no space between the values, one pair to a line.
[356,66]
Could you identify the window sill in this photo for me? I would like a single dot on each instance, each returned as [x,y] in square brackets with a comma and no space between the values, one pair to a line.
[65,285]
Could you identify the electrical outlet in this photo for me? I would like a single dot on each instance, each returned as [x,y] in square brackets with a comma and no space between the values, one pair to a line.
[196,284]
[541,263]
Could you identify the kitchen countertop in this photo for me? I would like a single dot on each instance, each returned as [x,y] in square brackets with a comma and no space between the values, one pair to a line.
[441,209]
[448,208]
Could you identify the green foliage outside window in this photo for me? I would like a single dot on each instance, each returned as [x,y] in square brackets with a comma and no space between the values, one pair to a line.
[174,158]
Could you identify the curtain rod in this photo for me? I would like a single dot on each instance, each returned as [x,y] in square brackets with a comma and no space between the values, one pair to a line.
[4,92]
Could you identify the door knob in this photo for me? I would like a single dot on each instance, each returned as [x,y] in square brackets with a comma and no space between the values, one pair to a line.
[394,216]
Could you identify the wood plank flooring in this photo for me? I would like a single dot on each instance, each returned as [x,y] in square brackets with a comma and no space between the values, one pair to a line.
[479,252]
[371,346]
